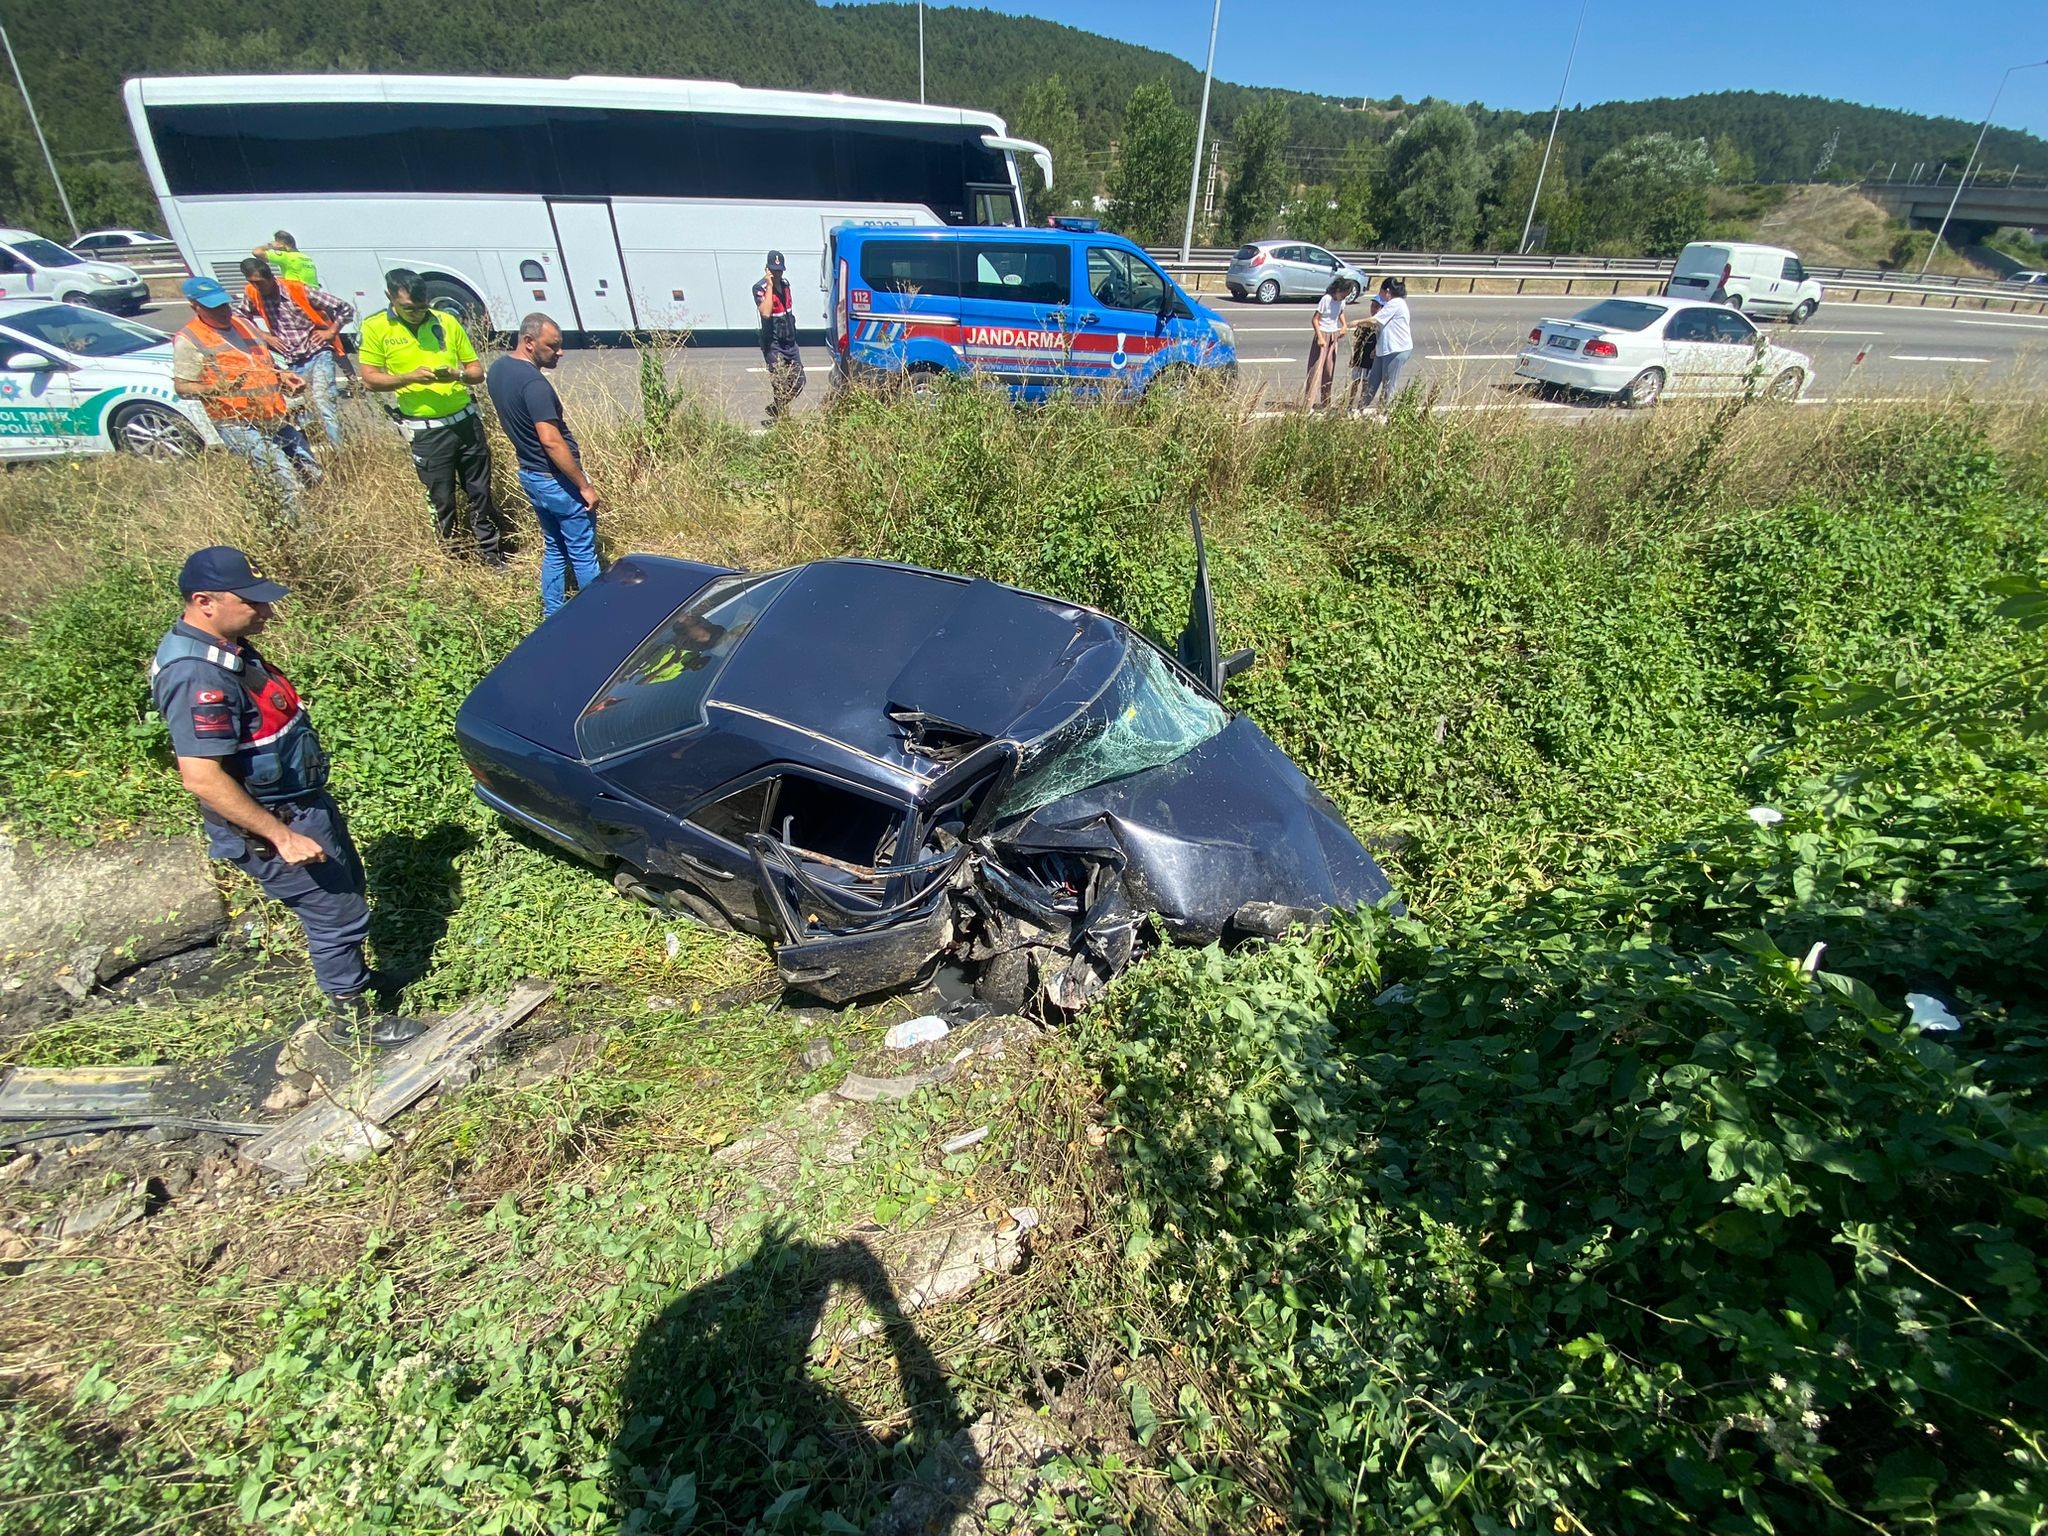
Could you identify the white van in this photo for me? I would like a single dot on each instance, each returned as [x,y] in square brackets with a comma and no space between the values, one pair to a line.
[34,268]
[1762,279]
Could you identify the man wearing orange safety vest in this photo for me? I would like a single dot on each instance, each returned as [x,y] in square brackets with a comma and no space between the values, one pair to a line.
[223,362]
[303,324]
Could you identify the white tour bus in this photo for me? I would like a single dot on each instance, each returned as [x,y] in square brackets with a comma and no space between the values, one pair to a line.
[612,204]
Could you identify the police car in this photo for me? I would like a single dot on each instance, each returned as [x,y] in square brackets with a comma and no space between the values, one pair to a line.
[74,380]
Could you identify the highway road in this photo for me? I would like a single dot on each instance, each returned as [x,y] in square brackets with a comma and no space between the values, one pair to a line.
[1466,344]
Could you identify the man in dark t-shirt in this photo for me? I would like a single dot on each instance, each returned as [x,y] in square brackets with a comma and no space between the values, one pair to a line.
[550,466]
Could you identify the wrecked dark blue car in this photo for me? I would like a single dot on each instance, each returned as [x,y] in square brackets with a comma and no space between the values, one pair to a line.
[882,769]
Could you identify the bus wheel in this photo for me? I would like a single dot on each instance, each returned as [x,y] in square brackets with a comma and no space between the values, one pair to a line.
[153,432]
[457,299]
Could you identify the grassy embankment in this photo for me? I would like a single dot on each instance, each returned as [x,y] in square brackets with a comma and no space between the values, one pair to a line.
[1583,1199]
[1830,226]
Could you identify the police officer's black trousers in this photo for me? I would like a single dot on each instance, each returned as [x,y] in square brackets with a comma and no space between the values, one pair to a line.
[327,898]
[449,455]
[785,368]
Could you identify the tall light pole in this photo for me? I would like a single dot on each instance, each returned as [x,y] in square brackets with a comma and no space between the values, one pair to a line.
[1556,112]
[48,158]
[1187,234]
[920,52]
[1965,179]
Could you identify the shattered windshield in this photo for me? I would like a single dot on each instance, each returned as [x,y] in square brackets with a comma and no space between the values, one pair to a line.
[1146,717]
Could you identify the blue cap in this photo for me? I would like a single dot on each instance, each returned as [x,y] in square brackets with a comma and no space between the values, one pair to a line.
[224,568]
[205,293]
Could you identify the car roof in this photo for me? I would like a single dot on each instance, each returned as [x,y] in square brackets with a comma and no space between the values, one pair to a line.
[973,654]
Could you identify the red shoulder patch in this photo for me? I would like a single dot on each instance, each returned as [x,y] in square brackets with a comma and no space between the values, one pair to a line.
[212,722]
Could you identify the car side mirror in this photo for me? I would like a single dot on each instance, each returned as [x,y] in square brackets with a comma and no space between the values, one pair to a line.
[30,362]
[1238,662]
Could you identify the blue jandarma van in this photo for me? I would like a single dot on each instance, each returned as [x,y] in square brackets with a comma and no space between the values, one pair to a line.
[1035,309]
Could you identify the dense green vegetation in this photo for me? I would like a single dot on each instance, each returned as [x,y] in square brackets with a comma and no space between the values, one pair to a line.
[75,57]
[1607,1189]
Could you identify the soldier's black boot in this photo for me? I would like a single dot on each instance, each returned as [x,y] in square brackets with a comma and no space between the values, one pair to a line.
[353,1021]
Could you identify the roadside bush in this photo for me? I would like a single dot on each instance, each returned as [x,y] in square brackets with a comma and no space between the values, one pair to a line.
[1632,1210]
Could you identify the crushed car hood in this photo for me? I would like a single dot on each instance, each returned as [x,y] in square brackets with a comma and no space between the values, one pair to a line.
[1233,820]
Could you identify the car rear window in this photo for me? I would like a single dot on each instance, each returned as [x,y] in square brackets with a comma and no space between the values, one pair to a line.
[1247,252]
[661,688]
[1621,314]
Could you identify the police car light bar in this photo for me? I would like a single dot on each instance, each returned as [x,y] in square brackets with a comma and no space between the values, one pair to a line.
[1037,152]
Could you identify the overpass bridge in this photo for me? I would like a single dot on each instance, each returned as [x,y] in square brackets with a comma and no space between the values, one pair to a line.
[1989,206]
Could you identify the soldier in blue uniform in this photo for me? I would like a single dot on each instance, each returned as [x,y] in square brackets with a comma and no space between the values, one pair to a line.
[252,760]
[776,306]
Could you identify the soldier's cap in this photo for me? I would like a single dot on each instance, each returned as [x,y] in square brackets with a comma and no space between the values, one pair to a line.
[204,292]
[224,568]
[775,261]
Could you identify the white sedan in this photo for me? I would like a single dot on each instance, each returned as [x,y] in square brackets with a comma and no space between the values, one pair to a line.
[75,380]
[1638,350]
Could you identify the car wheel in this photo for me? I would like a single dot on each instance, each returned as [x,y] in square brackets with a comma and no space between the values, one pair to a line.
[1643,390]
[1235,291]
[153,432]
[1786,386]
[1269,290]
[74,298]
[1006,982]
[1803,313]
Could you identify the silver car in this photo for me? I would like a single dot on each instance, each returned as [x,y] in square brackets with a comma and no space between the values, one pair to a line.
[1268,270]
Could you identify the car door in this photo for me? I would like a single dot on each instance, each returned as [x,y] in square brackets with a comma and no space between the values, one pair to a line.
[1298,273]
[36,400]
[1322,268]
[1737,349]
[1125,321]
[17,277]
[1689,355]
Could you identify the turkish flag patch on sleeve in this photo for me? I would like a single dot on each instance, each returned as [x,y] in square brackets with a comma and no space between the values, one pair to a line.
[211,696]
[212,722]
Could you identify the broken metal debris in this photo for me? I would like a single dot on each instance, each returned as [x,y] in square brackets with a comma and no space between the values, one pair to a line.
[347,1125]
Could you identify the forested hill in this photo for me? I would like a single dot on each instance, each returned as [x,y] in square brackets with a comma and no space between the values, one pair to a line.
[77,53]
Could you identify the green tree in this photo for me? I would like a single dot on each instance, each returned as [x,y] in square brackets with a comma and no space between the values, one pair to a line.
[1432,178]
[1648,197]
[1149,187]
[1258,171]
[1047,116]
[1732,163]
[1356,216]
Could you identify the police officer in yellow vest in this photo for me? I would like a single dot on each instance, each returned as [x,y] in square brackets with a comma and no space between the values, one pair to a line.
[424,360]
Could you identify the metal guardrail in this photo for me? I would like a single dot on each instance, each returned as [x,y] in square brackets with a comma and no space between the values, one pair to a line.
[1438,266]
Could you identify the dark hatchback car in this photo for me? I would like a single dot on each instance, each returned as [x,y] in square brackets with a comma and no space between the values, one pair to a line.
[881,769]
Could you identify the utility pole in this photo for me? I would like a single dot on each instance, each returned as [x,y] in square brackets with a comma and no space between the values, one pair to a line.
[920,52]
[1556,112]
[1964,179]
[1187,234]
[48,159]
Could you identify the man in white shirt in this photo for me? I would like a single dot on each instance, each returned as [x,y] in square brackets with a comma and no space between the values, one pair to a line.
[1396,342]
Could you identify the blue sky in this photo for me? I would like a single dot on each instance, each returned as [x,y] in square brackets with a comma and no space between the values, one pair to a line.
[1941,59]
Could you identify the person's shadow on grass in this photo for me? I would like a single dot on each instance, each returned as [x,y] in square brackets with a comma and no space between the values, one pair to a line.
[414,888]
[727,1426]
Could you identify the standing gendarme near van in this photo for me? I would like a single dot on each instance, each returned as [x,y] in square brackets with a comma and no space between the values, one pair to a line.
[34,268]
[1761,279]
[1034,309]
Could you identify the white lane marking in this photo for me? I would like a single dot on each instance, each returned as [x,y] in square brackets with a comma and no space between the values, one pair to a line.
[1814,330]
[1253,361]
[1471,357]
[1919,357]
[808,368]
[2010,325]
[1906,311]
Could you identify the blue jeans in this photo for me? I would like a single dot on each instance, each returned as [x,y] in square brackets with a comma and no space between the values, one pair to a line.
[1384,381]
[318,372]
[282,450]
[568,536]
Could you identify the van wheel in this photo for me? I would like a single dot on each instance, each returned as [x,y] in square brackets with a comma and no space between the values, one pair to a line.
[921,381]
[74,298]
[1733,301]
[1643,390]
[1174,382]
[1786,386]
[1269,290]
[153,432]
[1803,313]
